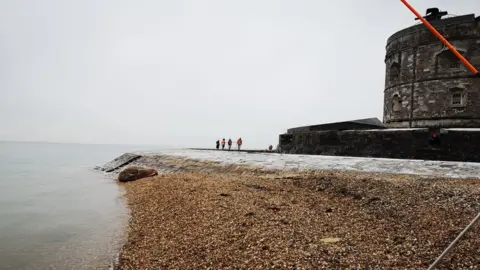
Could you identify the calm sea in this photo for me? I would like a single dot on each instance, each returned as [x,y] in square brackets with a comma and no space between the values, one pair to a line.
[55,211]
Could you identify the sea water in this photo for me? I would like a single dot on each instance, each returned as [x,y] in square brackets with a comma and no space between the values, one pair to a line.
[56,212]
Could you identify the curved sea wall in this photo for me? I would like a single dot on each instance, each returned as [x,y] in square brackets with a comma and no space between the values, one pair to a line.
[215,161]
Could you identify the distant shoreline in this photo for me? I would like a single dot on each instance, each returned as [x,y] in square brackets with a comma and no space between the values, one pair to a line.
[93,144]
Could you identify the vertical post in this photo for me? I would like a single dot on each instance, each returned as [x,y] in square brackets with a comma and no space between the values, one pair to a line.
[412,87]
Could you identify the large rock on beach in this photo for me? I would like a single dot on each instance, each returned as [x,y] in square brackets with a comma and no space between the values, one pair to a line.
[135,173]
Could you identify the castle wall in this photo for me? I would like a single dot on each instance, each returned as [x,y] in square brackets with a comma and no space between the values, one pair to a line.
[427,88]
[425,85]
[456,145]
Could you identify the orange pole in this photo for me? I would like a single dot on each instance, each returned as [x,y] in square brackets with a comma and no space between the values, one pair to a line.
[439,36]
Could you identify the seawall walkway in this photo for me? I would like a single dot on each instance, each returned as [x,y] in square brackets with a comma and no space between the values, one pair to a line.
[284,162]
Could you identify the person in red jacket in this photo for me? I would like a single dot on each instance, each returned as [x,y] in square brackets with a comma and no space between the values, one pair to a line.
[223,143]
[229,144]
[239,143]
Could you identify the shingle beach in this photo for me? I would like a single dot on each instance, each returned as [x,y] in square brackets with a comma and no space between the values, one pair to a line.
[200,214]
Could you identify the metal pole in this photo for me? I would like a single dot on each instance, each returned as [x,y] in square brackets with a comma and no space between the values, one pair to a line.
[454,242]
[474,71]
[442,39]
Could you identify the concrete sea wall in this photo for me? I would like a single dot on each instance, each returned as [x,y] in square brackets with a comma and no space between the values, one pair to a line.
[455,145]
[253,163]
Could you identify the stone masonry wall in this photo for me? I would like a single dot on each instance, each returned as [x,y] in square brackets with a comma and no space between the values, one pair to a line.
[403,144]
[422,75]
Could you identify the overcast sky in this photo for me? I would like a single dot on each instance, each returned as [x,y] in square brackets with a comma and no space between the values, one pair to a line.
[186,73]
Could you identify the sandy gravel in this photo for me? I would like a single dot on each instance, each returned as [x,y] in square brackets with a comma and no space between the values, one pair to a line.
[322,220]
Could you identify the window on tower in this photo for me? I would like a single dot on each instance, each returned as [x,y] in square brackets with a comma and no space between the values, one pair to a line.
[454,65]
[447,60]
[394,71]
[396,103]
[457,97]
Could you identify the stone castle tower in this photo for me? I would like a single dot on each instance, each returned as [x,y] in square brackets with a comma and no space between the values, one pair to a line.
[425,84]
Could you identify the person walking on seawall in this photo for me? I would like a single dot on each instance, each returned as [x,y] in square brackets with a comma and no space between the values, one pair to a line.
[229,144]
[239,143]
[223,143]
[218,144]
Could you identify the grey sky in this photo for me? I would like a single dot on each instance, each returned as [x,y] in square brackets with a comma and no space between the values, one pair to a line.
[185,73]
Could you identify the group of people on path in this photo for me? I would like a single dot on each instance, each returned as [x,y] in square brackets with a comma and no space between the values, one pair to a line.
[229,143]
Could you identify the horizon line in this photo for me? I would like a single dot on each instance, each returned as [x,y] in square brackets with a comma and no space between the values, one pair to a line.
[81,143]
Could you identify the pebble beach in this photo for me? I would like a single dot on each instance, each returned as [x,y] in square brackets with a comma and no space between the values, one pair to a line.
[205,214]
